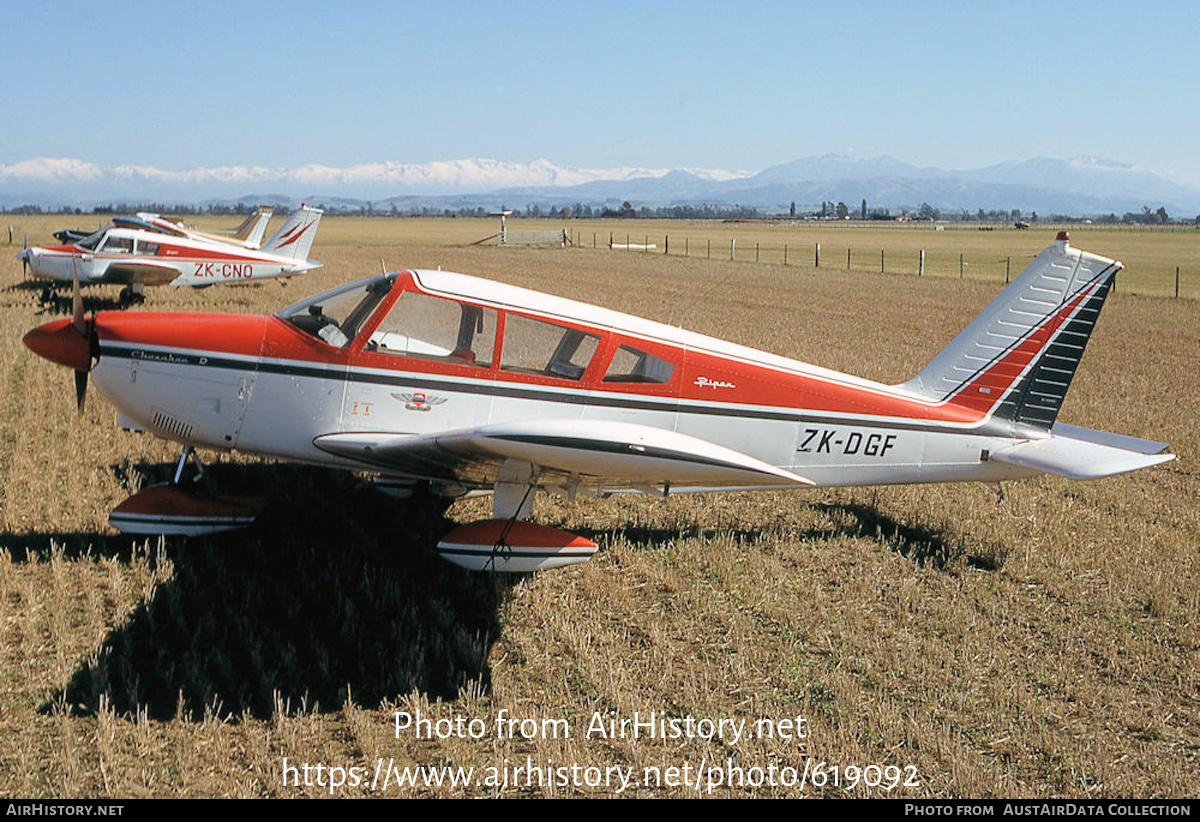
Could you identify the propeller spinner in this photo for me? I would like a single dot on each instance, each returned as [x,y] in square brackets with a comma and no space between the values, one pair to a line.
[73,343]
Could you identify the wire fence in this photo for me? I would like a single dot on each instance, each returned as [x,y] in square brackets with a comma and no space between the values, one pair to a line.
[1167,280]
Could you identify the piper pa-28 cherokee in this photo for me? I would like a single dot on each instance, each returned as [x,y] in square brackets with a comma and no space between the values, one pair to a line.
[471,385]
[248,235]
[135,253]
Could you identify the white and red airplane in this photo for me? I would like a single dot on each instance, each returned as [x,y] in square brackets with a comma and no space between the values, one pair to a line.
[247,235]
[471,385]
[136,253]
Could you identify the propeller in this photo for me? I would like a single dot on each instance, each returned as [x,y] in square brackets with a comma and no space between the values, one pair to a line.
[87,330]
[74,343]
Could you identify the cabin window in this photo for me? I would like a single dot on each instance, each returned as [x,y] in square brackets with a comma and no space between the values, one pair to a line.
[118,245]
[630,364]
[547,349]
[434,328]
[149,249]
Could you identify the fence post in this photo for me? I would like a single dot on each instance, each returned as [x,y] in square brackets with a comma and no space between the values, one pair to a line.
[646,244]
[881,271]
[921,264]
[785,253]
[1177,282]
[610,241]
[817,258]
[732,247]
[756,252]
[960,266]
[685,246]
[847,258]
[666,244]
[709,257]
[1007,268]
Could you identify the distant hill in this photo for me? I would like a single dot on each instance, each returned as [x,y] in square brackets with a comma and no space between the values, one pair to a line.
[1080,186]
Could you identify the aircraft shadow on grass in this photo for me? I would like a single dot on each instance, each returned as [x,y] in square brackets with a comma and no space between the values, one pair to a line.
[332,592]
[927,546]
[60,303]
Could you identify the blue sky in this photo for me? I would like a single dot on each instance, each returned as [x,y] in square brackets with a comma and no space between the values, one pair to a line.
[740,85]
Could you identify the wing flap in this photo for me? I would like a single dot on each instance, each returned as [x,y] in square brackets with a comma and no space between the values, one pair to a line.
[617,454]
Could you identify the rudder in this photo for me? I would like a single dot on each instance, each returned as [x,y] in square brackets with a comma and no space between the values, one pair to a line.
[1016,360]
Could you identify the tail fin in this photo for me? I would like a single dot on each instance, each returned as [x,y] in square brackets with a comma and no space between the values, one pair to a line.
[252,229]
[295,237]
[1016,359]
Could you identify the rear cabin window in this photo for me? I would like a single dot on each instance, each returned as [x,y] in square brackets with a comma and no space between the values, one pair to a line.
[630,364]
[434,328]
[546,349]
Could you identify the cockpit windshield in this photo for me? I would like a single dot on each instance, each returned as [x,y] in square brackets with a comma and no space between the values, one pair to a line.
[335,316]
[92,240]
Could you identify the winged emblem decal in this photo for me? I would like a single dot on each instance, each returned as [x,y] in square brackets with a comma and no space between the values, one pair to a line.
[419,401]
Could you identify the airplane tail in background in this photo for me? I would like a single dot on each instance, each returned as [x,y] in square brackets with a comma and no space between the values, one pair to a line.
[295,237]
[252,229]
[1016,359]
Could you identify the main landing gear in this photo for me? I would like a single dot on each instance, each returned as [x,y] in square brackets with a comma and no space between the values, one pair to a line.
[132,294]
[506,542]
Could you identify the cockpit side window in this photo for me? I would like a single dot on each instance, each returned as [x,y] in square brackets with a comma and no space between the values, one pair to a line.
[630,364]
[435,328]
[117,245]
[548,349]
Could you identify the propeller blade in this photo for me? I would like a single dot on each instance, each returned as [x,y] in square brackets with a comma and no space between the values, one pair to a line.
[81,381]
[77,320]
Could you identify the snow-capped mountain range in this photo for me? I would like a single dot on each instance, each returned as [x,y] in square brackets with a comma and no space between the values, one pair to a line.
[1081,185]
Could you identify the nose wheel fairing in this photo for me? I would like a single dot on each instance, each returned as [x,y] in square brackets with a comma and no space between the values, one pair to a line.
[185,508]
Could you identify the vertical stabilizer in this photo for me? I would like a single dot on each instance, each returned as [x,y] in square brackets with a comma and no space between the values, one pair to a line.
[295,237]
[252,229]
[1016,359]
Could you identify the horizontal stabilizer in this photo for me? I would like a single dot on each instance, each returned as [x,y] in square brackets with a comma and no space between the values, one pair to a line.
[1081,453]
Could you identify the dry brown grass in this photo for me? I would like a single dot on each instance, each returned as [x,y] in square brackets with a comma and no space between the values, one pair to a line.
[1042,646]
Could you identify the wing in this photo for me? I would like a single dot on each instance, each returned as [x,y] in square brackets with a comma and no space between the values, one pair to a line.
[612,455]
[140,271]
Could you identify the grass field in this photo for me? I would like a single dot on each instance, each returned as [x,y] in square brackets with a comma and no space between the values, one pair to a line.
[1043,645]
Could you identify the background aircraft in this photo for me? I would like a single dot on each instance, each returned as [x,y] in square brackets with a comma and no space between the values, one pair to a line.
[136,253]
[247,235]
[469,385]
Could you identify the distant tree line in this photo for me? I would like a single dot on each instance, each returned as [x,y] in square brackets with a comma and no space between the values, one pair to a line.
[628,211]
